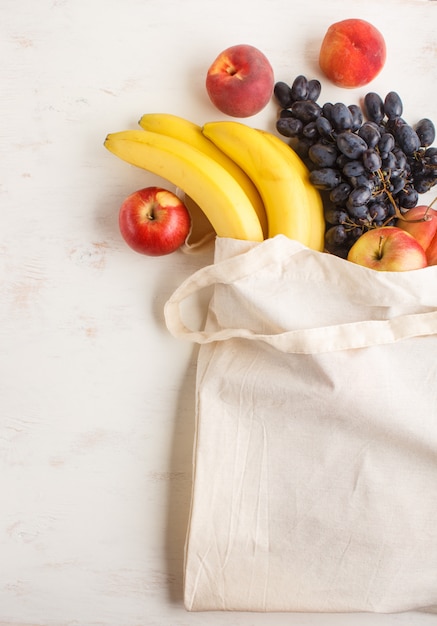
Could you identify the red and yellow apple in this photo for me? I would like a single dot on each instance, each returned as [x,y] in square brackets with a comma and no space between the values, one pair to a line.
[240,81]
[352,53]
[388,248]
[421,222]
[154,221]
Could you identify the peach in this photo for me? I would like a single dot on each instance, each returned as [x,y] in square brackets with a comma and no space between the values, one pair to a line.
[352,53]
[425,230]
[431,252]
[240,81]
[388,249]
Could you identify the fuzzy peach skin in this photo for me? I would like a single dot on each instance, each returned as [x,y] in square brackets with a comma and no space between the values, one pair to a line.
[431,252]
[352,54]
[388,249]
[240,81]
[424,231]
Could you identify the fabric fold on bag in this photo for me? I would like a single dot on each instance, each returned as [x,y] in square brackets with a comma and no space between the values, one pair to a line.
[341,296]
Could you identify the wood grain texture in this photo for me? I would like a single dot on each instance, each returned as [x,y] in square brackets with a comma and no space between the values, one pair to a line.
[97,400]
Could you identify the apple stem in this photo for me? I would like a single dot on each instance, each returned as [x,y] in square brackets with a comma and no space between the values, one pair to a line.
[426,216]
[381,238]
[151,213]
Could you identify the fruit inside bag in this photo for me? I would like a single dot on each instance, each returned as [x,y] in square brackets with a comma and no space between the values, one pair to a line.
[315,461]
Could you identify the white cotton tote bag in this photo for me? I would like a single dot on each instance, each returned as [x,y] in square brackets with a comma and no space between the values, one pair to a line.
[315,459]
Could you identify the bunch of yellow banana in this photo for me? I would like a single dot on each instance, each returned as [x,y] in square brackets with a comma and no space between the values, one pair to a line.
[248,182]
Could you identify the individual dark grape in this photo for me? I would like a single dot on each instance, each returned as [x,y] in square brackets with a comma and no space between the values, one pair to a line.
[289,126]
[370,133]
[314,89]
[353,168]
[425,131]
[306,110]
[357,116]
[342,160]
[360,212]
[393,105]
[323,155]
[324,126]
[310,131]
[374,106]
[386,143]
[336,235]
[401,158]
[351,145]
[326,110]
[363,180]
[430,157]
[378,211]
[340,194]
[392,125]
[359,196]
[299,88]
[371,160]
[424,184]
[408,197]
[341,117]
[389,162]
[325,178]
[336,216]
[396,185]
[282,94]
[407,139]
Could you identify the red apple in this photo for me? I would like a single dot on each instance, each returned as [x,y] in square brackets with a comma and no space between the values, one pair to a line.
[240,81]
[388,248]
[154,221]
[352,53]
[425,231]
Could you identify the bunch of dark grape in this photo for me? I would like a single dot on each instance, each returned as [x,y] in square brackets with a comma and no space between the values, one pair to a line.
[369,163]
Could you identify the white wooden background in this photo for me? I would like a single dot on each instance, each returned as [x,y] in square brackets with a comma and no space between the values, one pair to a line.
[96,398]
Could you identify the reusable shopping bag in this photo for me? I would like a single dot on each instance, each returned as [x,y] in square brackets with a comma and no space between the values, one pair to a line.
[315,458]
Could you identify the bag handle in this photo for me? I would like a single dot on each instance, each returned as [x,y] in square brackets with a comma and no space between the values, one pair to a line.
[304,341]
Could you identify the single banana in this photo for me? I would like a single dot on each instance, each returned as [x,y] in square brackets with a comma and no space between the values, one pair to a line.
[185,130]
[280,186]
[317,219]
[218,194]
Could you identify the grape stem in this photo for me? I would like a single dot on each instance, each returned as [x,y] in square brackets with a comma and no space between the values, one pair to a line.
[391,199]
[399,215]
